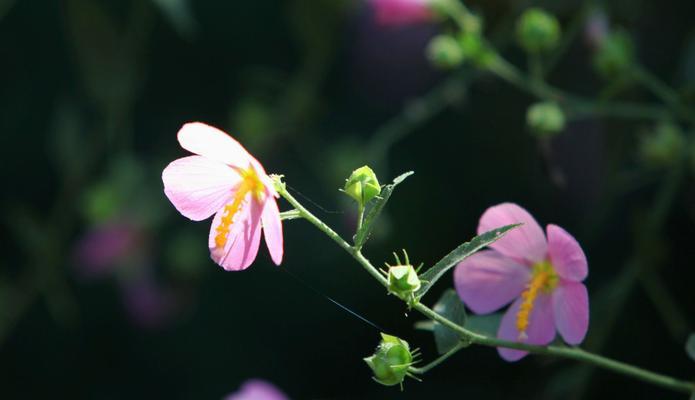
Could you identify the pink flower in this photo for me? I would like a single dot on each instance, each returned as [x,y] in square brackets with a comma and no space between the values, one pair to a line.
[107,247]
[542,278]
[225,180]
[402,12]
[256,389]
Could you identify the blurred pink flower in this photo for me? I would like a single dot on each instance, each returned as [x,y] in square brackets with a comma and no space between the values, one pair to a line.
[596,28]
[402,12]
[105,247]
[148,304]
[542,278]
[225,180]
[256,389]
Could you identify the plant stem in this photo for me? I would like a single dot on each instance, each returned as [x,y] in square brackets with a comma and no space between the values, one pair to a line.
[439,360]
[360,216]
[472,337]
[306,214]
[577,106]
[574,353]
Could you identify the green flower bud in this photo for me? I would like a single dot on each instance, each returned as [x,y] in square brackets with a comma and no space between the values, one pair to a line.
[537,31]
[615,55]
[474,48]
[444,52]
[545,119]
[472,24]
[663,146]
[362,185]
[390,361]
[403,281]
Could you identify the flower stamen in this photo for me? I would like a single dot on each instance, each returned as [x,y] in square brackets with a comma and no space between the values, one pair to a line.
[250,183]
[543,278]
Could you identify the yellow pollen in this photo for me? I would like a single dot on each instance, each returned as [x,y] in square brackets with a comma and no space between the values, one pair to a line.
[250,183]
[543,278]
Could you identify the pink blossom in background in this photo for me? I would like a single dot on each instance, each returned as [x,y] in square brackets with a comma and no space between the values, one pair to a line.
[540,275]
[256,389]
[401,12]
[225,180]
[596,28]
[105,247]
[148,304]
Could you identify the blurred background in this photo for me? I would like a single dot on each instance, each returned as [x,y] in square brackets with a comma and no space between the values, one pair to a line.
[106,292]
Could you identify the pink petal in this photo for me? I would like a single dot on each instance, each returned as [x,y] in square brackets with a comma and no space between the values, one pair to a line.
[198,186]
[526,242]
[571,309]
[541,329]
[212,143]
[272,229]
[566,255]
[401,12]
[488,280]
[243,239]
[256,389]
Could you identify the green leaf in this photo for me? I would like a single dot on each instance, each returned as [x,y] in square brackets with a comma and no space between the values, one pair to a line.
[690,346]
[380,201]
[432,275]
[450,307]
[484,324]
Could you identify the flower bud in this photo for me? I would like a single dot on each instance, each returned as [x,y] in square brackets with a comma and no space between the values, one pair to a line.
[472,24]
[403,281]
[663,146]
[362,185]
[537,31]
[390,361]
[475,49]
[615,55]
[444,52]
[545,119]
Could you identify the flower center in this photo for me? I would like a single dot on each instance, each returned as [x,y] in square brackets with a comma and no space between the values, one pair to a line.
[543,279]
[250,183]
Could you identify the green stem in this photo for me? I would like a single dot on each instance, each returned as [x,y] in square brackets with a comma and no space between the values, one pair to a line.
[573,353]
[656,86]
[360,216]
[472,337]
[576,105]
[306,214]
[439,360]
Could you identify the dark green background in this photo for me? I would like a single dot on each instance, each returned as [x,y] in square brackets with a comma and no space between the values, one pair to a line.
[325,79]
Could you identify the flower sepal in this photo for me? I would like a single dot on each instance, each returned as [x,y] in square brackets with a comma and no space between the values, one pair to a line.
[362,185]
[391,360]
[403,280]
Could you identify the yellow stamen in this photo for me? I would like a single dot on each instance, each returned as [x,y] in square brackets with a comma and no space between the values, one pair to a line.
[543,277]
[250,183]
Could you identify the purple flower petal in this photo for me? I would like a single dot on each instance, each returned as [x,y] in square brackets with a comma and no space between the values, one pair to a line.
[103,248]
[488,280]
[566,255]
[525,243]
[541,328]
[571,309]
[257,389]
[402,12]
